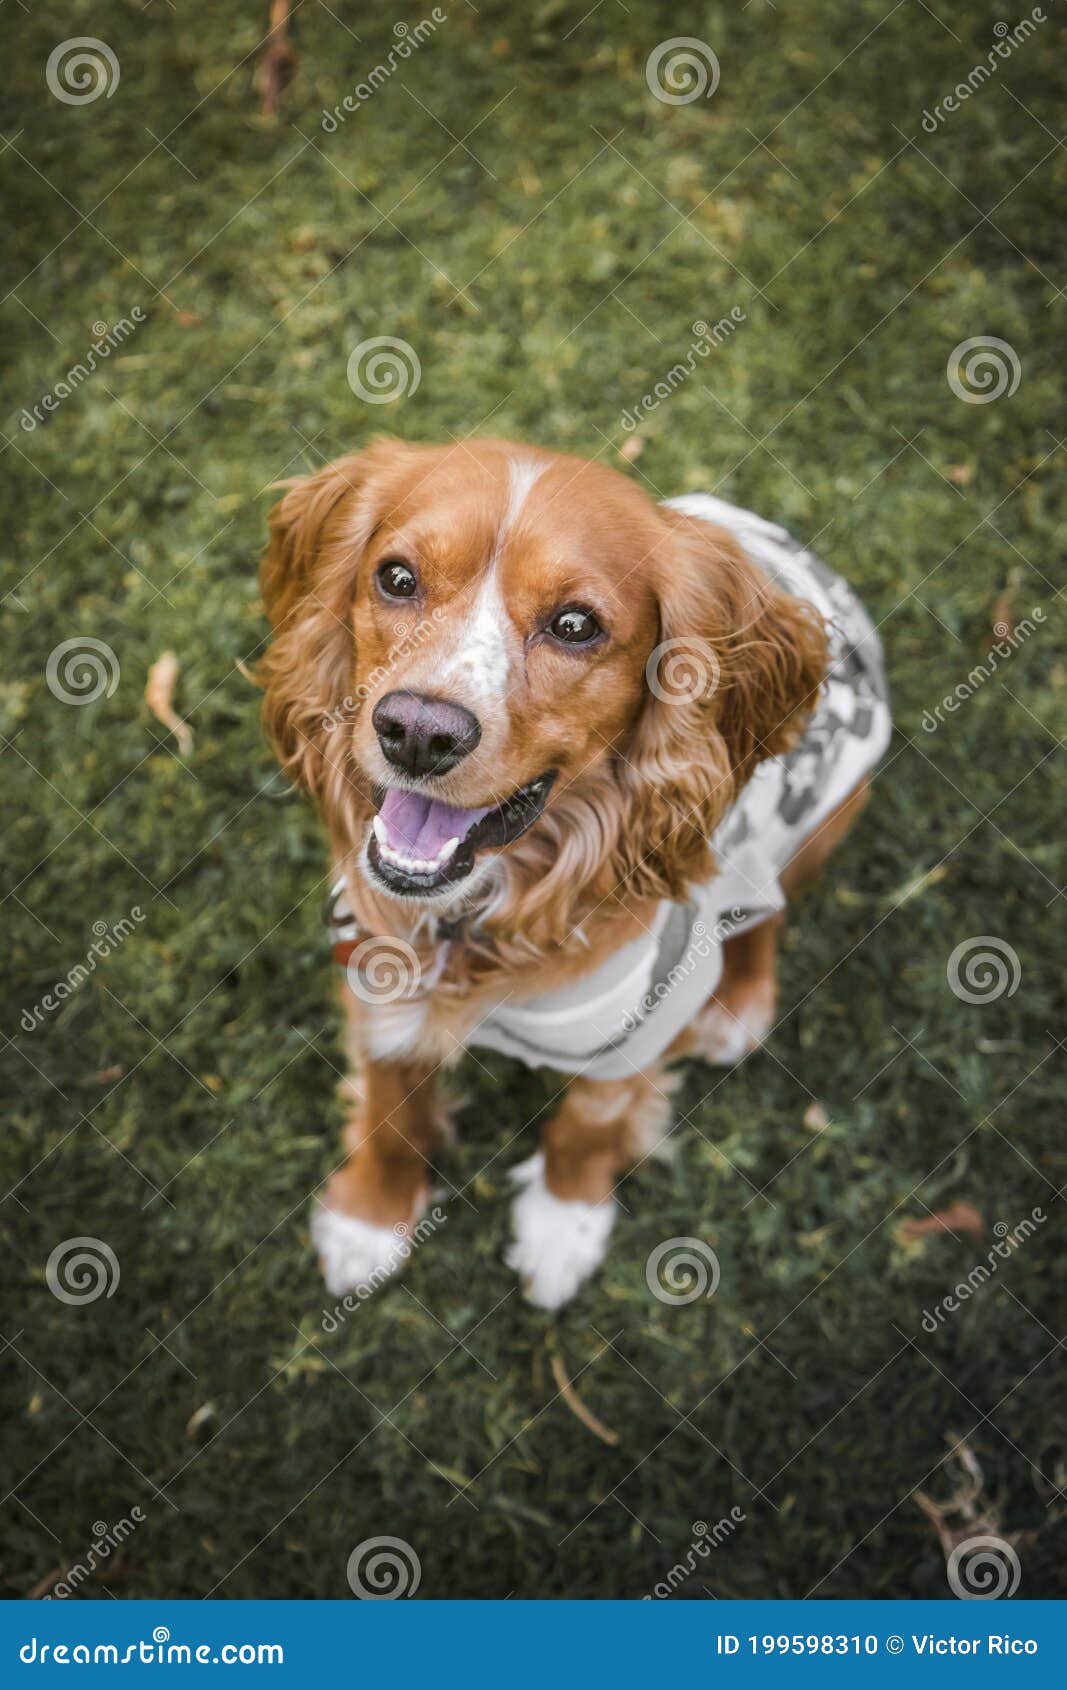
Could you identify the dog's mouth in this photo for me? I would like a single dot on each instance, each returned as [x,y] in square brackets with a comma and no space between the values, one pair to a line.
[419,846]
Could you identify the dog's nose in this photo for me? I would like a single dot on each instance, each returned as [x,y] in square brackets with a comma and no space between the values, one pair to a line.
[424,736]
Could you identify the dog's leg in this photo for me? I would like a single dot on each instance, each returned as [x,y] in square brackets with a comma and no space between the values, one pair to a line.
[371,1203]
[565,1209]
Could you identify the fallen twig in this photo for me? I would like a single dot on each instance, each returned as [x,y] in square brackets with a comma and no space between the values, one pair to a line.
[577,1406]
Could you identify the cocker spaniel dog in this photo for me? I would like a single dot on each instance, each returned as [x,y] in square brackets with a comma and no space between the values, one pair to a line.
[574,751]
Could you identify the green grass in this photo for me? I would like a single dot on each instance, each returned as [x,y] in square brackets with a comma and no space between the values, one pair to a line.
[547,270]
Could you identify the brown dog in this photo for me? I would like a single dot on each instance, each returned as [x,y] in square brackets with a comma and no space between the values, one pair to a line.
[573,750]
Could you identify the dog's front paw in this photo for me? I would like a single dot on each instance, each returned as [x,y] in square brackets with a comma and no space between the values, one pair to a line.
[558,1244]
[356,1257]
[726,1033]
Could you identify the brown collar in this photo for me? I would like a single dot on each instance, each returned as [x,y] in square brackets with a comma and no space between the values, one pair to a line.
[347,934]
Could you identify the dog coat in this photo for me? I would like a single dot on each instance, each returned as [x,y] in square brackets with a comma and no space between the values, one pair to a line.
[621,1016]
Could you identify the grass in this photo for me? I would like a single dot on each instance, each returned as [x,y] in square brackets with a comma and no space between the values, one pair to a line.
[515,204]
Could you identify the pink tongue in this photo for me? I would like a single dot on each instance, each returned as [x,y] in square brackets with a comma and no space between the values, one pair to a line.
[419,826]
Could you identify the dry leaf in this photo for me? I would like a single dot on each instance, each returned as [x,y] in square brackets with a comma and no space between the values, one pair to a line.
[159,696]
[631,449]
[200,1419]
[816,1118]
[961,475]
[959,1217]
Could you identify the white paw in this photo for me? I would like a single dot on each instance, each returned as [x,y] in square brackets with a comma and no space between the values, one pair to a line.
[356,1257]
[558,1244]
[722,1036]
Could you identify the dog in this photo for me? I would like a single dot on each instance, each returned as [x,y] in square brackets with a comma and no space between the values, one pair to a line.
[574,751]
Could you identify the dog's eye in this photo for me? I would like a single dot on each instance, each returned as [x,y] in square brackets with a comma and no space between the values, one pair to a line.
[397,580]
[574,626]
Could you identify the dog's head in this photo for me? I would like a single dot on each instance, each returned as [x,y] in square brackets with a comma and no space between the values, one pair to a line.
[486,642]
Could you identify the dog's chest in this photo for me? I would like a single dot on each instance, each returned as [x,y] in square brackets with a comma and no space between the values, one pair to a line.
[395,1029]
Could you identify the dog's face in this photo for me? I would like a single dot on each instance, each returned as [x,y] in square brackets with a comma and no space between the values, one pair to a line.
[502,623]
[468,634]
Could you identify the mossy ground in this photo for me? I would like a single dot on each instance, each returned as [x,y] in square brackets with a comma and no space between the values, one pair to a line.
[516,205]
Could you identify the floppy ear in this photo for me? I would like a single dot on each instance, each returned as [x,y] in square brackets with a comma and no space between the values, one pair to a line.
[308,580]
[296,524]
[732,680]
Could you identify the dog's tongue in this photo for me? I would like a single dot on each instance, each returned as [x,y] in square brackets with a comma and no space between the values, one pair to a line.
[420,826]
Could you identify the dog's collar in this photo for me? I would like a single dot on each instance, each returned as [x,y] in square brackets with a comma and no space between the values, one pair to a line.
[347,934]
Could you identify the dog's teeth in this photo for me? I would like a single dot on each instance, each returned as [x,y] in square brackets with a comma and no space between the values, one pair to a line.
[448,851]
[380,833]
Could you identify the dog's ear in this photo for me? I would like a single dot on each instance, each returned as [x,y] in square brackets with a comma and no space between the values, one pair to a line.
[308,578]
[732,679]
[296,525]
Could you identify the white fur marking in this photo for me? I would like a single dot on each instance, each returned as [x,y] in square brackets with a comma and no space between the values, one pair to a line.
[392,1028]
[482,656]
[557,1244]
[354,1255]
[522,473]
